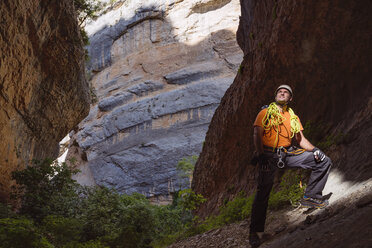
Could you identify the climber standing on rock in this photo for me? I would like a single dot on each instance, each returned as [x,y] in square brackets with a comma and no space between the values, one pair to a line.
[274,128]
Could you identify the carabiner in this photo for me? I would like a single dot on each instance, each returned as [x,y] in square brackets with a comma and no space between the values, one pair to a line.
[280,163]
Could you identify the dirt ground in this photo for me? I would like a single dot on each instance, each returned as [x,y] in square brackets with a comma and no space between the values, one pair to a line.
[345,223]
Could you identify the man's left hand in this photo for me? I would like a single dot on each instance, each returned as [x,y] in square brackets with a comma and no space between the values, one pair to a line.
[318,154]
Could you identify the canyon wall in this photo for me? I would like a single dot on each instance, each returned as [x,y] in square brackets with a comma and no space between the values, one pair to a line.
[159,69]
[323,50]
[43,91]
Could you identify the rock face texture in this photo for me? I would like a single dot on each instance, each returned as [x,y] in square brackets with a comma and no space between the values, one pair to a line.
[43,91]
[159,69]
[323,50]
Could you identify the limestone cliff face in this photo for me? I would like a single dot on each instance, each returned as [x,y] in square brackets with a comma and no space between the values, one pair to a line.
[323,50]
[159,69]
[43,91]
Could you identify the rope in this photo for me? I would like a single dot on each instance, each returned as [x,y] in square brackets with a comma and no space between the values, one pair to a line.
[295,124]
[273,119]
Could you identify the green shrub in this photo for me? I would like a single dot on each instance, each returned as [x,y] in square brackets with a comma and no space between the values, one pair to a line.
[237,209]
[118,220]
[87,10]
[100,213]
[21,233]
[189,200]
[241,68]
[170,220]
[61,231]
[5,211]
[89,244]
[46,188]
[288,193]
[135,226]
[186,167]
[65,214]
[290,190]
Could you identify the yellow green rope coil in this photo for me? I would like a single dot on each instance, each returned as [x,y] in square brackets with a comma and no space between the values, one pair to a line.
[273,119]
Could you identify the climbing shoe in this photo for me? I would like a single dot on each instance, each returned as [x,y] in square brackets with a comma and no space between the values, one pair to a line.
[254,240]
[308,202]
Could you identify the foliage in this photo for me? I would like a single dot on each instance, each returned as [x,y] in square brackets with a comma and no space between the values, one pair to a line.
[20,233]
[290,190]
[5,211]
[186,165]
[101,212]
[240,69]
[61,230]
[170,220]
[56,212]
[46,188]
[89,244]
[237,209]
[87,9]
[68,215]
[117,219]
[189,200]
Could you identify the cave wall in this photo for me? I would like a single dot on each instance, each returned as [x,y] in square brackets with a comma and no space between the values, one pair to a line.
[323,50]
[43,91]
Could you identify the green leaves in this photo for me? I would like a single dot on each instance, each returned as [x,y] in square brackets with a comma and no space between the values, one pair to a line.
[186,165]
[290,190]
[57,212]
[20,233]
[87,9]
[189,200]
[46,188]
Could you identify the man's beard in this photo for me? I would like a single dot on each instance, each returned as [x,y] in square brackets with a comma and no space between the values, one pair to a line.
[282,103]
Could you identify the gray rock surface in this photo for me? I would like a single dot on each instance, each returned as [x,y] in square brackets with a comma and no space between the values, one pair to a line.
[194,73]
[112,101]
[159,70]
[101,42]
[145,87]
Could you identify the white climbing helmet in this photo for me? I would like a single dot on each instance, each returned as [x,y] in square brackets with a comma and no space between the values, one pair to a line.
[284,86]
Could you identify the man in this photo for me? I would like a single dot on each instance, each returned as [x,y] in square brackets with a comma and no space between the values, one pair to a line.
[274,128]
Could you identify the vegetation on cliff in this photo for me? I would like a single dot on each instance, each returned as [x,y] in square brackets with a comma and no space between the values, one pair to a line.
[89,10]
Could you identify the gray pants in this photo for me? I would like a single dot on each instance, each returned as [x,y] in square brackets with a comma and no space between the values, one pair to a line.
[315,186]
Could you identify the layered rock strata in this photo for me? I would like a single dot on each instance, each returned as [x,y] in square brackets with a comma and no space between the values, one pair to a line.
[43,91]
[323,50]
[159,69]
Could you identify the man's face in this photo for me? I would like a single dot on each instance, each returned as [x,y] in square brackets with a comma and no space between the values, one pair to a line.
[283,96]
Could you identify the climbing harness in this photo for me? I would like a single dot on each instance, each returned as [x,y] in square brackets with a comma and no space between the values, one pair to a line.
[282,152]
[273,119]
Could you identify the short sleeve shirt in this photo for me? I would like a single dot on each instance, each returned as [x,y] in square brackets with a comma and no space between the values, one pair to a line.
[269,136]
